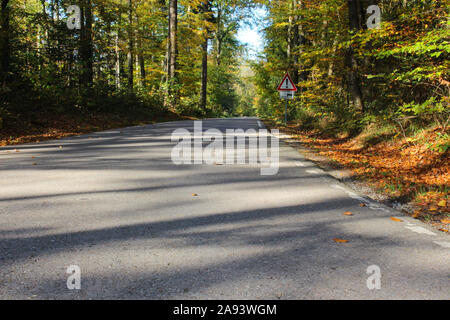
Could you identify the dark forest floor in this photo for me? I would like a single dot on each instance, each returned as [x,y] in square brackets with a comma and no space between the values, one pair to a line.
[48,127]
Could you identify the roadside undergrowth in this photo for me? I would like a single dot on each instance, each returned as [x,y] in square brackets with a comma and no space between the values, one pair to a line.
[48,127]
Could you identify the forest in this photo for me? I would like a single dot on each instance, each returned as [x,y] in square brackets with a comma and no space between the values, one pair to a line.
[184,56]
[351,75]
[133,59]
[73,66]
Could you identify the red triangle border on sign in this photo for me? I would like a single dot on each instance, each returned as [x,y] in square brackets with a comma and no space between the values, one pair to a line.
[292,82]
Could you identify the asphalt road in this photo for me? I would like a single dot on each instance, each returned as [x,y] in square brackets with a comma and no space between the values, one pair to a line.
[114,204]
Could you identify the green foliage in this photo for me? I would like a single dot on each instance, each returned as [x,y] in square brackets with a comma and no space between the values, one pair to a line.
[441,144]
[222,92]
[430,106]
[47,62]
[403,67]
[246,91]
[191,106]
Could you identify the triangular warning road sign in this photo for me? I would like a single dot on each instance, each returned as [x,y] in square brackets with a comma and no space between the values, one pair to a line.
[287,84]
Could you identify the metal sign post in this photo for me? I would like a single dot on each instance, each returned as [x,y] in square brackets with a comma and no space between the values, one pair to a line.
[287,90]
[285,113]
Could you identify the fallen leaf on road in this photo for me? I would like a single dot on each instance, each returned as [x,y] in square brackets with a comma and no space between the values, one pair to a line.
[445,221]
[34,163]
[443,230]
[348,213]
[60,147]
[442,203]
[416,214]
[337,240]
[362,204]
[433,209]
[194,195]
[396,219]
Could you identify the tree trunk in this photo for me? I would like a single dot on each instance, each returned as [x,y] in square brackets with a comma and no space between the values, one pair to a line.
[173,51]
[204,93]
[166,61]
[219,51]
[141,60]
[130,56]
[86,50]
[5,49]
[295,43]
[301,73]
[141,64]
[289,40]
[117,62]
[173,48]
[333,55]
[110,56]
[204,74]
[334,46]
[354,81]
[218,35]
[57,6]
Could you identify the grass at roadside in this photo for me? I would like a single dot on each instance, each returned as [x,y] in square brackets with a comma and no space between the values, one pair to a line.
[412,170]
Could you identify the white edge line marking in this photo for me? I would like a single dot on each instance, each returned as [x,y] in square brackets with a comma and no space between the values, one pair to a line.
[420,230]
[443,244]
[412,227]
[350,193]
[371,205]
[355,196]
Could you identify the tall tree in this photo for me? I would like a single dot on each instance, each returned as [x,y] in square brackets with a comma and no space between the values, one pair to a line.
[355,15]
[140,51]
[86,47]
[5,50]
[173,50]
[203,95]
[294,40]
[130,55]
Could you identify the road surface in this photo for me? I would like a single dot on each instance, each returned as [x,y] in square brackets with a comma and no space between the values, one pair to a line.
[140,227]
